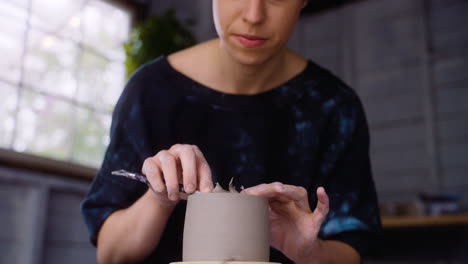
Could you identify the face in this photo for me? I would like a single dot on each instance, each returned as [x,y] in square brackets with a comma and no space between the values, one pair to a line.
[254,31]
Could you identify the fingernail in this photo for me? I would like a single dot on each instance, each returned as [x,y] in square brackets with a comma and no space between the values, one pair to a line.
[190,187]
[160,189]
[247,191]
[207,189]
[161,157]
[173,196]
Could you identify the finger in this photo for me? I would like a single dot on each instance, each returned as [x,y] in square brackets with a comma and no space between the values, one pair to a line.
[301,197]
[270,190]
[205,181]
[169,168]
[281,192]
[323,205]
[188,161]
[153,173]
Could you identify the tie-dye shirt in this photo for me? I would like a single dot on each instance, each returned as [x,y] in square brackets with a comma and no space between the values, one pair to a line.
[311,131]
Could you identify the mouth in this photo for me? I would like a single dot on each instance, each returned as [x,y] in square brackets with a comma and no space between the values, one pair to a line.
[250,41]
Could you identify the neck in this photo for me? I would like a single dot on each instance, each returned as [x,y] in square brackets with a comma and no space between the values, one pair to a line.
[238,78]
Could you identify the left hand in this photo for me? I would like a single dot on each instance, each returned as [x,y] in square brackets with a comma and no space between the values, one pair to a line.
[293,226]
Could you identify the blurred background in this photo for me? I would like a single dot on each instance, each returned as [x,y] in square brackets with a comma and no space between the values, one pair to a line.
[65,62]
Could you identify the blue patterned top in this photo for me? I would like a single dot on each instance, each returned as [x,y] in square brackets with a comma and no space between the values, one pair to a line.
[311,131]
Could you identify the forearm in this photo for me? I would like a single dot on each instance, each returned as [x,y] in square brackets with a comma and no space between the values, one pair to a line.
[131,234]
[331,251]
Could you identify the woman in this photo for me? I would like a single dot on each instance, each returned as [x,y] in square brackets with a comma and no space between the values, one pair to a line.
[241,106]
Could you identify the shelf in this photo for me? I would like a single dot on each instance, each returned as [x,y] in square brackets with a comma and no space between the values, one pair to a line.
[425,221]
[46,165]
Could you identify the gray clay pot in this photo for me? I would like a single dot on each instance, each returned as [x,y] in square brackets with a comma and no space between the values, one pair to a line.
[226,227]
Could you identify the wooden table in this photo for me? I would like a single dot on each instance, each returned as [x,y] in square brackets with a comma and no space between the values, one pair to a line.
[423,239]
[425,221]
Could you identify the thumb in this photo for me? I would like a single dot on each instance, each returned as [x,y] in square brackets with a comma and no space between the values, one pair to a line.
[323,206]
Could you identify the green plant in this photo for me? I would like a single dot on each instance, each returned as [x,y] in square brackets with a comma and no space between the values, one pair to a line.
[159,35]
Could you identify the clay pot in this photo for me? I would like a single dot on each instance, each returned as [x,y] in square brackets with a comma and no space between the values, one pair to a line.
[226,227]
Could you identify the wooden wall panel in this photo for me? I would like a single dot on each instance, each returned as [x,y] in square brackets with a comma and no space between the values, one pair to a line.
[40,220]
[448,23]
[321,41]
[66,234]
[387,35]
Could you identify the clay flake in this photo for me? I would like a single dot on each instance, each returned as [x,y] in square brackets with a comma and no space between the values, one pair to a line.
[232,188]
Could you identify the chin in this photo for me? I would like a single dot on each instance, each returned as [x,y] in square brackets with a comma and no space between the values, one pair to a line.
[252,57]
[249,57]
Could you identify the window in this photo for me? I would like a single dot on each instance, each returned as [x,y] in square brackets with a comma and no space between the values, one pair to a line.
[61,72]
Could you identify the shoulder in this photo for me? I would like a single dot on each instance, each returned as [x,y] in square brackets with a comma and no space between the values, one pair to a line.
[154,70]
[153,84]
[340,105]
[145,80]
[324,86]
[149,87]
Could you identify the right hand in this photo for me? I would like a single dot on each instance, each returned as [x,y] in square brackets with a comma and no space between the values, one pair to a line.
[181,164]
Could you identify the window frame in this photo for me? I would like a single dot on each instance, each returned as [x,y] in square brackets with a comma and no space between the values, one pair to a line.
[9,157]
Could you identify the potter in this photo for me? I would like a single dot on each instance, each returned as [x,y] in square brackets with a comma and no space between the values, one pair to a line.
[245,106]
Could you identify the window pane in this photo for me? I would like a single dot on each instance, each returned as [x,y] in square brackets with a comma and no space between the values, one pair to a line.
[13,10]
[71,57]
[50,64]
[101,81]
[91,137]
[8,94]
[72,28]
[106,28]
[44,124]
[54,15]
[20,3]
[12,30]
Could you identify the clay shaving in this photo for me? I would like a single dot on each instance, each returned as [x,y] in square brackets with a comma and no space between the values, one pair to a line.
[232,188]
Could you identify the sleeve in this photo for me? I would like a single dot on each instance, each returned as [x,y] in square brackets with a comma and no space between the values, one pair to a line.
[345,172]
[127,150]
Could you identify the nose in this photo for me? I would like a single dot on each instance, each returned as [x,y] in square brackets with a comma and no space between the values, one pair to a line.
[254,11]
